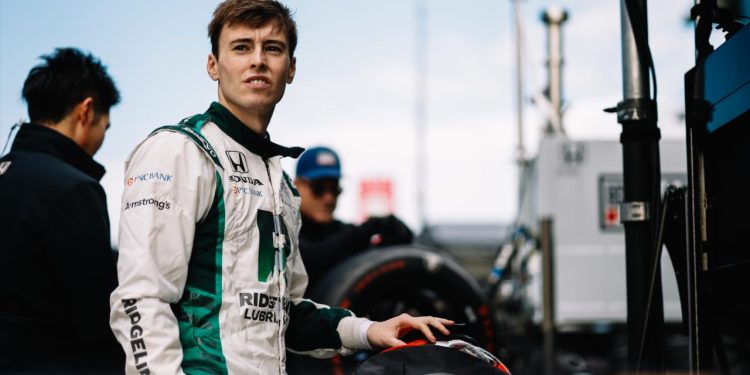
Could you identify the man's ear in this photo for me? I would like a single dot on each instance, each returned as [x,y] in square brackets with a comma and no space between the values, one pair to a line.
[212,67]
[84,113]
[80,120]
[292,70]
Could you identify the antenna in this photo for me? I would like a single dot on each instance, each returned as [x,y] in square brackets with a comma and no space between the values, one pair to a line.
[520,150]
[554,17]
[419,110]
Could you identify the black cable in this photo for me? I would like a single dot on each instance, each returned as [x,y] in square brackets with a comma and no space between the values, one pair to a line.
[10,133]
[638,24]
[658,243]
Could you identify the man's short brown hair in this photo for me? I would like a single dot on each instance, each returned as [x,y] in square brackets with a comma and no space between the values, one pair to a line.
[252,13]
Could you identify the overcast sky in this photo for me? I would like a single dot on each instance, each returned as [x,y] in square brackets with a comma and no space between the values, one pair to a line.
[355,84]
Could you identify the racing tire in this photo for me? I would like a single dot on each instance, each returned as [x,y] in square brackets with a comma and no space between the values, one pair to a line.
[384,282]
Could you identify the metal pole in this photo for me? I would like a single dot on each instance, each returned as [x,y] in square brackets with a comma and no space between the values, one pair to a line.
[695,193]
[524,208]
[548,294]
[520,150]
[420,113]
[699,342]
[641,178]
[554,17]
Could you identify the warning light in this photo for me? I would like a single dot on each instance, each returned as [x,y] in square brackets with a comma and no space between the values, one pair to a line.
[612,216]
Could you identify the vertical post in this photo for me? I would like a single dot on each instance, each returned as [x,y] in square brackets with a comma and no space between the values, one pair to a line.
[419,110]
[694,219]
[548,294]
[520,150]
[641,178]
[554,17]
[699,339]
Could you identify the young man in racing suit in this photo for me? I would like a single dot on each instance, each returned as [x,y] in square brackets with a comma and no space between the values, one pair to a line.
[211,280]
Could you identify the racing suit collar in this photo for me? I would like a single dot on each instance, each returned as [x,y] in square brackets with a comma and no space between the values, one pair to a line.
[256,143]
[39,138]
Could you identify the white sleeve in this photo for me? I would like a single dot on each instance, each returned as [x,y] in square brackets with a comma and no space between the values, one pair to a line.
[169,186]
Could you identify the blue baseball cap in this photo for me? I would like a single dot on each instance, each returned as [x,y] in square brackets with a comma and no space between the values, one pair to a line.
[319,162]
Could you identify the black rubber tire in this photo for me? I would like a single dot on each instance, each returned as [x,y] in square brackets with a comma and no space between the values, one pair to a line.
[385,282]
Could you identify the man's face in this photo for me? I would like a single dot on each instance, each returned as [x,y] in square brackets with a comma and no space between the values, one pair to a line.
[253,67]
[319,198]
[99,126]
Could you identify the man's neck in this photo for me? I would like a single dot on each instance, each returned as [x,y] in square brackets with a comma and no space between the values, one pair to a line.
[256,121]
[64,126]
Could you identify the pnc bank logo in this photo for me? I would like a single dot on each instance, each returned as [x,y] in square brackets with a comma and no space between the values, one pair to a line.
[238,161]
[150,176]
[236,190]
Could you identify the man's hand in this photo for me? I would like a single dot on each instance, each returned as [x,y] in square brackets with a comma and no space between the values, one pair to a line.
[386,334]
[394,232]
[386,231]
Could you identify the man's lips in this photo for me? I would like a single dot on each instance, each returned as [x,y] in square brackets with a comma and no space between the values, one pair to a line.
[257,81]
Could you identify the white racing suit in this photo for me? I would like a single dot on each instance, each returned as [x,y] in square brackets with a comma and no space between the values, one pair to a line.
[211,279]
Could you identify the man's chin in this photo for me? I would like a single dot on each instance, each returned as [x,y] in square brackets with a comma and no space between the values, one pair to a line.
[259,100]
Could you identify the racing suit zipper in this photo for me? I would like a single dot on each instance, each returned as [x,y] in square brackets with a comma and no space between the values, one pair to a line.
[279,241]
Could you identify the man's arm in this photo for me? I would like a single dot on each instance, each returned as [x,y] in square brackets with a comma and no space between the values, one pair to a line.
[322,331]
[167,190]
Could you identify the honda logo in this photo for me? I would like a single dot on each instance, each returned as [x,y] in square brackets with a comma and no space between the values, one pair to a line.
[238,161]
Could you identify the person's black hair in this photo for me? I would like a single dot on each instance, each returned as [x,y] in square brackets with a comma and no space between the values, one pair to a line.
[65,78]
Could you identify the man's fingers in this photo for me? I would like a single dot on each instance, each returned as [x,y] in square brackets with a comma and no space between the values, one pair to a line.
[438,323]
[422,326]
[386,334]
[395,342]
[442,325]
[447,322]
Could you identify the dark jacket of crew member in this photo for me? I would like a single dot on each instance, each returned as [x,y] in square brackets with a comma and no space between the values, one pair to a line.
[324,241]
[57,267]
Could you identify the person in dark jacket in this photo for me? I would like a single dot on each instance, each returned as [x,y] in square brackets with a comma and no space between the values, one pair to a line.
[56,263]
[324,241]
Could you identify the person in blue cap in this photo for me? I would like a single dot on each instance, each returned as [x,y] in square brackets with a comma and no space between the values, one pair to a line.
[324,241]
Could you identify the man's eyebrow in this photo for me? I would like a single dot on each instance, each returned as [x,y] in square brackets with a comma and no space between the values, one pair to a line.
[250,40]
[241,40]
[274,41]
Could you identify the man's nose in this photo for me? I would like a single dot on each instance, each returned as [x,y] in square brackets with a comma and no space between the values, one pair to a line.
[328,196]
[258,58]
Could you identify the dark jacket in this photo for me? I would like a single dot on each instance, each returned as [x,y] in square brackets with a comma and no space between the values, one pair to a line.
[56,264]
[324,246]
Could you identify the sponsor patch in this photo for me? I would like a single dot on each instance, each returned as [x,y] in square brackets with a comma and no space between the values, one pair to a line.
[160,205]
[238,161]
[150,176]
[262,308]
[236,190]
[325,158]
[137,344]
[244,179]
